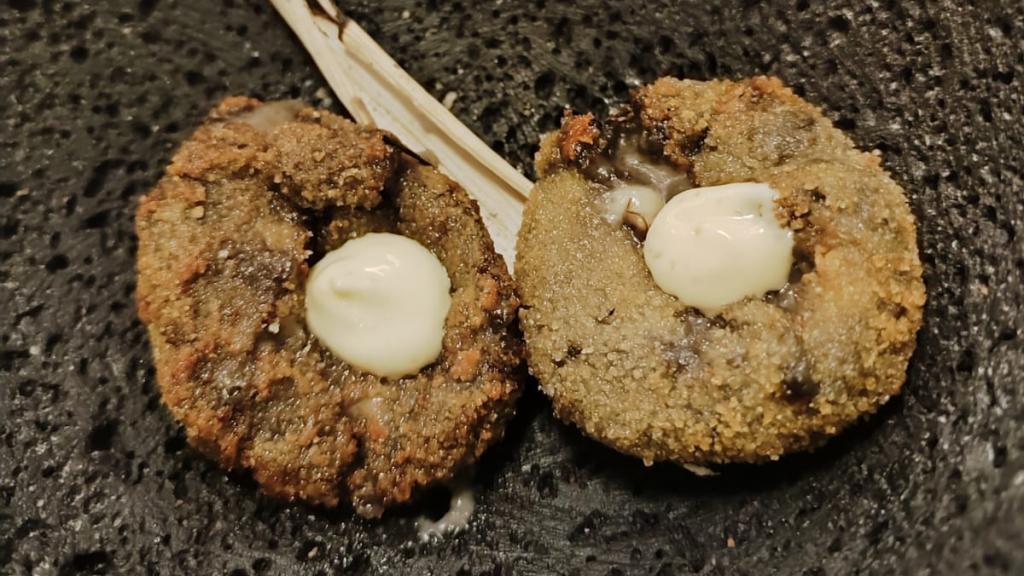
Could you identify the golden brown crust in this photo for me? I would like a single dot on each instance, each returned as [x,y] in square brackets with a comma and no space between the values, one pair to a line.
[730,131]
[573,143]
[224,252]
[577,132]
[322,160]
[640,371]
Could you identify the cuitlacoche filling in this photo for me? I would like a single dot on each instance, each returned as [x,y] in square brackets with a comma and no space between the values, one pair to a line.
[709,246]
[638,182]
[379,303]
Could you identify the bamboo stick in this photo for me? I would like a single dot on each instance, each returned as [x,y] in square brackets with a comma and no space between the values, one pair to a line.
[378,92]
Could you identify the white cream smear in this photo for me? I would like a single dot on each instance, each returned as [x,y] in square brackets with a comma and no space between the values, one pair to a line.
[379,303]
[717,245]
[633,200]
[272,115]
[456,518]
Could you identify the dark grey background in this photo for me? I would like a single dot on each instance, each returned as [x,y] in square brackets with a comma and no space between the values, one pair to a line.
[94,476]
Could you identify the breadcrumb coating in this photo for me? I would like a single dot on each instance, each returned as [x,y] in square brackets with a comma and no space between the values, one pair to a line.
[226,240]
[640,371]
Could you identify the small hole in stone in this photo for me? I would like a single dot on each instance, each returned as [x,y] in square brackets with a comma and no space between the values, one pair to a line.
[96,220]
[965,364]
[876,533]
[846,123]
[998,455]
[835,545]
[101,437]
[99,177]
[194,78]
[57,262]
[665,44]
[946,52]
[544,85]
[79,54]
[175,444]
[27,387]
[989,213]
[547,485]
[960,504]
[141,130]
[89,562]
[839,23]
[1006,77]
[997,560]
[146,7]
[150,36]
[8,189]
[1006,26]
[22,5]
[9,358]
[9,229]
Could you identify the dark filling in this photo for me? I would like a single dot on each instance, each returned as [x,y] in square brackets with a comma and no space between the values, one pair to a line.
[631,157]
[799,389]
[799,392]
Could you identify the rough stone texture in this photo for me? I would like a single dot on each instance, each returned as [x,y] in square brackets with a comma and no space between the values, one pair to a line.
[94,476]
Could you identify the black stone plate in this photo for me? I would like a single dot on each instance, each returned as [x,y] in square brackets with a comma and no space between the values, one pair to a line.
[95,477]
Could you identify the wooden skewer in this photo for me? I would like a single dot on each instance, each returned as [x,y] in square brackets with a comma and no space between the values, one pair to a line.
[378,92]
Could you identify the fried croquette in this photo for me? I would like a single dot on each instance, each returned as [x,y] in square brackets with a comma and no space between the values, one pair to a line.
[639,370]
[226,240]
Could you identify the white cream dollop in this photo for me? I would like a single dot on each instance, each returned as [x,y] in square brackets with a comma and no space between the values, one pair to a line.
[379,303]
[716,245]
